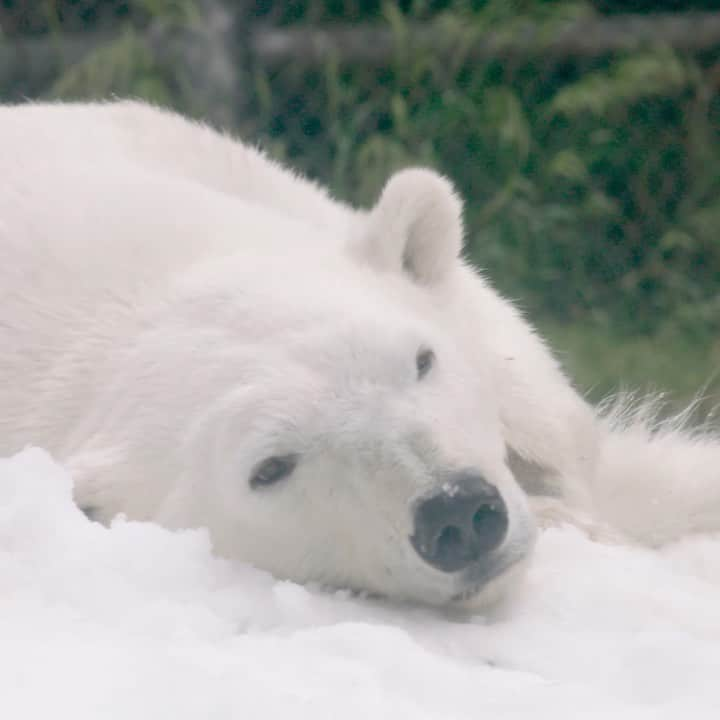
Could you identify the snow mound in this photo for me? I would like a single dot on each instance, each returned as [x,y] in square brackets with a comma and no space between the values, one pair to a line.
[138,622]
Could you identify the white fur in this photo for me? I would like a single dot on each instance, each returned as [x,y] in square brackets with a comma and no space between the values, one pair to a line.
[174,308]
[416,226]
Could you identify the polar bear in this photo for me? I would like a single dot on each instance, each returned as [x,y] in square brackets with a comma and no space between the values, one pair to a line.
[207,339]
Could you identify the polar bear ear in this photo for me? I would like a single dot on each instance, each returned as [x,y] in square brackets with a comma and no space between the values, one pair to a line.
[415,227]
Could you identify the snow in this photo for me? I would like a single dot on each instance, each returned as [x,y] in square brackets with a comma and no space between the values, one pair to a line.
[134,621]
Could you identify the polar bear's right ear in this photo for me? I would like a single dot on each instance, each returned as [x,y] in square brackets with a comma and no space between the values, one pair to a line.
[415,227]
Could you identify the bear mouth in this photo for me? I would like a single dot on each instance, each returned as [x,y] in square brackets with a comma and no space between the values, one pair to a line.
[468,594]
[477,585]
[477,578]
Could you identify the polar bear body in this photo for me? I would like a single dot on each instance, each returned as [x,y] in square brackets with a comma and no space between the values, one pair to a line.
[164,331]
[176,309]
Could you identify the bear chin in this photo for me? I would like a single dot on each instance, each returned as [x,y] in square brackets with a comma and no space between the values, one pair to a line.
[496,591]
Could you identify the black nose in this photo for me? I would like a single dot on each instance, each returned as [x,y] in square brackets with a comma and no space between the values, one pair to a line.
[466,519]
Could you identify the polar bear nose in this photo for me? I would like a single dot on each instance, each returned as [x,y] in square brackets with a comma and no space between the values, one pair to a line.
[456,526]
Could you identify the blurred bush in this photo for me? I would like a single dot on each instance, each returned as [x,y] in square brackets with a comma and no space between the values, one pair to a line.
[592,183]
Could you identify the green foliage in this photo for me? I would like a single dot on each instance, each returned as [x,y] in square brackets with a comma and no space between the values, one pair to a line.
[603,363]
[646,75]
[123,67]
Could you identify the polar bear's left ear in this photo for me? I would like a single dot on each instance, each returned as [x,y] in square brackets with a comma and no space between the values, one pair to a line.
[415,227]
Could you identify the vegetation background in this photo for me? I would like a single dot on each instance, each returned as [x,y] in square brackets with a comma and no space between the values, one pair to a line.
[592,180]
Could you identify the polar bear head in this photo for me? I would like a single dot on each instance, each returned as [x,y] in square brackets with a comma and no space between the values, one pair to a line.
[310,405]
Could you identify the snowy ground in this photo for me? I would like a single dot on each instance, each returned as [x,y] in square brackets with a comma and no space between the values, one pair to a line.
[137,622]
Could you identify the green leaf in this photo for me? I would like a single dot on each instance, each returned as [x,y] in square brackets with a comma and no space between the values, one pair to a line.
[649,74]
[568,165]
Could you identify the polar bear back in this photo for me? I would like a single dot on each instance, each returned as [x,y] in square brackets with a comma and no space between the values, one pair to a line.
[87,287]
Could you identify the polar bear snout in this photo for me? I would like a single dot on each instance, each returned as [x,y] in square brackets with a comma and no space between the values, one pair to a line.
[460,524]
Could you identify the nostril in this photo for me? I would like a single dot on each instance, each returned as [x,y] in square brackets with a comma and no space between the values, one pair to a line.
[449,540]
[454,549]
[490,524]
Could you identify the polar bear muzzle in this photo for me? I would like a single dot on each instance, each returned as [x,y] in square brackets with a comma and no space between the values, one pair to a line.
[461,524]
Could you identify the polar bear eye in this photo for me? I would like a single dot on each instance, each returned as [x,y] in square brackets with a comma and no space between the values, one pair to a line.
[273,470]
[424,362]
